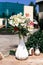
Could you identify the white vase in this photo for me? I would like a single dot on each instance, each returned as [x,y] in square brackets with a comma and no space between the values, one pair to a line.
[37,52]
[21,52]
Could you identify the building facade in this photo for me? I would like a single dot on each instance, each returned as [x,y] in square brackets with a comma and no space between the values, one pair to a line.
[40,3]
[9,8]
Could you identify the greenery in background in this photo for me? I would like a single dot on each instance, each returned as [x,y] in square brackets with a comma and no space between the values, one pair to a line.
[36,38]
[12,52]
[8,30]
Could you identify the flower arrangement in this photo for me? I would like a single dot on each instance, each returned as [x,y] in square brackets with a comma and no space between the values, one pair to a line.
[20,24]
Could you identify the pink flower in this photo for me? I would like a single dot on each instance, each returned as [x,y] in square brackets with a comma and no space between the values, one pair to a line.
[27,14]
[31,23]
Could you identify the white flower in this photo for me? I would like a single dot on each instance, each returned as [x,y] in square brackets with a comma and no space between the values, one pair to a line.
[16,19]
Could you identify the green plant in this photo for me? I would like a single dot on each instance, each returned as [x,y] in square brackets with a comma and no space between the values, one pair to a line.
[10,29]
[36,38]
[12,52]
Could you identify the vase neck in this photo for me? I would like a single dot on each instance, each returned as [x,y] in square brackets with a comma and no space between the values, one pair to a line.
[21,40]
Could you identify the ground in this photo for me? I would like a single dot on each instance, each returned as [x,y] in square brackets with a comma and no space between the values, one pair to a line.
[8,42]
[31,60]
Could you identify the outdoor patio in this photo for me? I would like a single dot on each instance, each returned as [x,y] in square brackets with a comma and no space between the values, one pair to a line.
[7,42]
[21,32]
[32,60]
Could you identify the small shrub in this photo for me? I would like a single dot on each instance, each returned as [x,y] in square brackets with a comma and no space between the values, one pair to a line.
[12,52]
[36,38]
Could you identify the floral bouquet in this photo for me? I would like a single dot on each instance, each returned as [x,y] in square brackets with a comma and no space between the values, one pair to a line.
[20,24]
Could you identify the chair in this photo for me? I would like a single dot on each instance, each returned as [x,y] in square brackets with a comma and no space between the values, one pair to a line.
[1,23]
